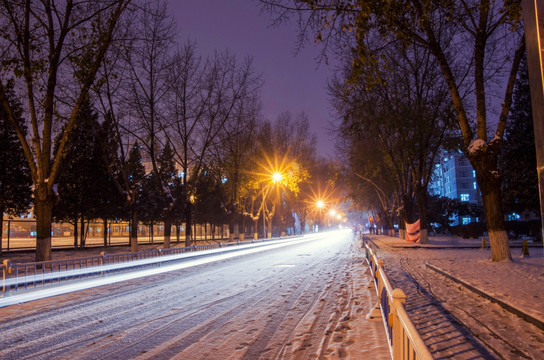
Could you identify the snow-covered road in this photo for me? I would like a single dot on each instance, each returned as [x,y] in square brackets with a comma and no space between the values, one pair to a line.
[304,301]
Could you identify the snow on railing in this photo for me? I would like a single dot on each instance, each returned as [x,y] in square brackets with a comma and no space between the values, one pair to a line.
[402,336]
[17,276]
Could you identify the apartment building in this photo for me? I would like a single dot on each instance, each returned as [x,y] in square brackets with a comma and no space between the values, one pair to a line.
[456,179]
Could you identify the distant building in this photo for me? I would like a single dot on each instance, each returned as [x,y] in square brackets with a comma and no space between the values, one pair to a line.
[455,178]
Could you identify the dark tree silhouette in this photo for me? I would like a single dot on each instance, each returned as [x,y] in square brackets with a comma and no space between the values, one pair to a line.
[15,179]
[84,177]
[518,160]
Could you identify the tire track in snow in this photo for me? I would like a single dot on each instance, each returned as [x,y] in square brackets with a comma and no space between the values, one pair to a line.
[231,310]
[499,340]
[441,332]
[88,316]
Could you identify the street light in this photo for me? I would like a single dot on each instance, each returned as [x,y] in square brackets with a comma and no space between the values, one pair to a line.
[277,177]
[320,204]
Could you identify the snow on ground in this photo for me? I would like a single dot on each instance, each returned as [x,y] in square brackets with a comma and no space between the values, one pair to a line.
[454,321]
[306,301]
[320,312]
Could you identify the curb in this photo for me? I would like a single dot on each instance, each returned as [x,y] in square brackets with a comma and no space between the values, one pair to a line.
[417,246]
[449,246]
[529,318]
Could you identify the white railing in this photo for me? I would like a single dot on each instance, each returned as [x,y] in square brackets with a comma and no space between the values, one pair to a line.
[402,336]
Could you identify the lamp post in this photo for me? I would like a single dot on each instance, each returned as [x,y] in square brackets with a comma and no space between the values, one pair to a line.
[276,179]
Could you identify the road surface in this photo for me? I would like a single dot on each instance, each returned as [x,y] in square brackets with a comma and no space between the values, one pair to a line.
[303,301]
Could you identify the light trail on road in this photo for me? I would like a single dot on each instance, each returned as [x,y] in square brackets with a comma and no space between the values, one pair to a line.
[202,257]
[305,300]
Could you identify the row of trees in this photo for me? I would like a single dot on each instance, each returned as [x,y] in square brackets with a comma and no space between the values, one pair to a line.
[105,88]
[395,120]
[474,46]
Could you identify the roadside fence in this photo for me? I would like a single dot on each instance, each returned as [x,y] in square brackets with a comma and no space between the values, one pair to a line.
[404,341]
[23,276]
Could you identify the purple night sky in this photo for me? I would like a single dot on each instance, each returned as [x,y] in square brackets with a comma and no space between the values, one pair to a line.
[292,82]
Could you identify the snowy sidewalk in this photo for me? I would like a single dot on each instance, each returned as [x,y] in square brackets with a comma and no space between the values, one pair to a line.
[517,286]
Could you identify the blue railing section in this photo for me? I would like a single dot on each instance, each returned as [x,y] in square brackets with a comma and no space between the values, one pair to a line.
[386,310]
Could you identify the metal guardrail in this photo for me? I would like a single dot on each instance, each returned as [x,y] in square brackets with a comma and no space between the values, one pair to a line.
[402,336]
[18,276]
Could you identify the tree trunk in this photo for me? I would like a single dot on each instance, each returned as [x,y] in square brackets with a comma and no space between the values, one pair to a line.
[195,233]
[402,224]
[243,231]
[82,233]
[76,233]
[188,223]
[167,229]
[391,223]
[133,237]
[271,217]
[43,208]
[231,228]
[105,232]
[422,207]
[303,222]
[2,209]
[177,231]
[489,182]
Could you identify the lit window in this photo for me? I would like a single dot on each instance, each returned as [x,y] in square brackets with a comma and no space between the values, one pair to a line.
[473,173]
[474,185]
[466,220]
[465,197]
[514,216]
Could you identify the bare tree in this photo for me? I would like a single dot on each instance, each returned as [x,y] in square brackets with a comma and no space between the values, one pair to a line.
[477,46]
[54,49]
[407,109]
[231,152]
[203,100]
[148,62]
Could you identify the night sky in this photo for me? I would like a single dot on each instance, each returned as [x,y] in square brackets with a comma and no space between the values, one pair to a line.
[292,81]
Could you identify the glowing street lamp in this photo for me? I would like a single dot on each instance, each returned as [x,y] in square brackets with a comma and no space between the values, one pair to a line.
[332,213]
[320,204]
[277,177]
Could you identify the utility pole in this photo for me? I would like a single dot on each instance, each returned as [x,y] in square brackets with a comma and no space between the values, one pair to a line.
[533,19]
